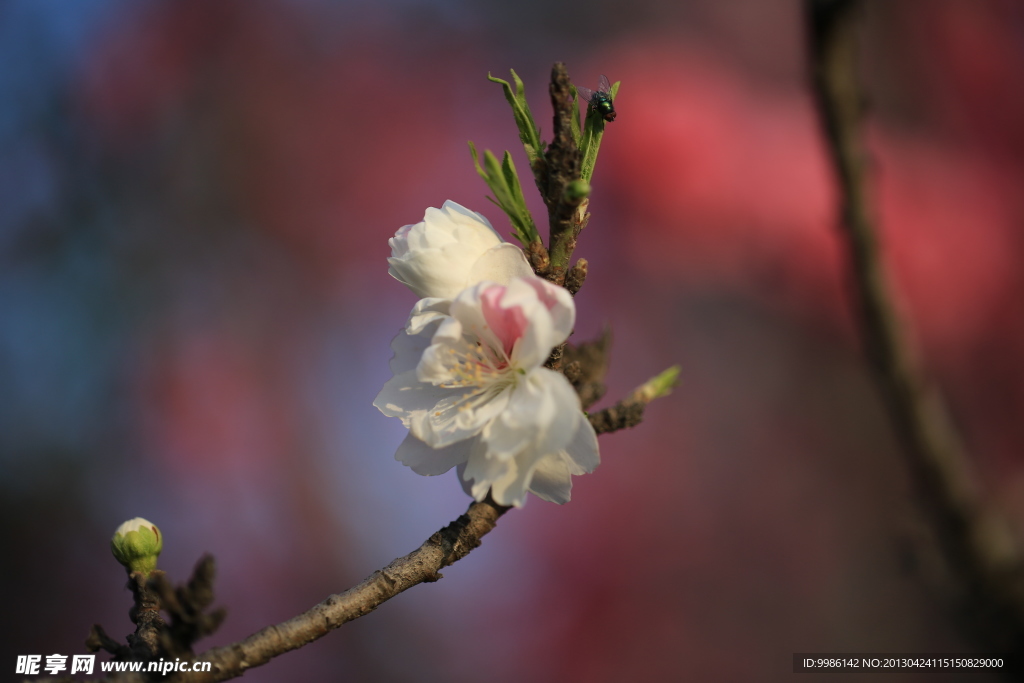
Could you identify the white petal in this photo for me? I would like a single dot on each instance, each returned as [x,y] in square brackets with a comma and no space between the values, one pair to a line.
[460,415]
[457,213]
[434,257]
[467,482]
[552,480]
[432,272]
[438,361]
[542,416]
[582,451]
[500,264]
[431,461]
[405,397]
[408,350]
[425,312]
[400,242]
[491,474]
[410,343]
[546,475]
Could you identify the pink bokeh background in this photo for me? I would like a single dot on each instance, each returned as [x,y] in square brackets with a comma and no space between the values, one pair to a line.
[195,316]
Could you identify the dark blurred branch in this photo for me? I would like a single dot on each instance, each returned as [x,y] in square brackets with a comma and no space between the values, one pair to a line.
[586,366]
[629,412]
[187,607]
[975,543]
[99,640]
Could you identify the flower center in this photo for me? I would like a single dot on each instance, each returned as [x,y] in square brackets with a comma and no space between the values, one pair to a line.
[475,364]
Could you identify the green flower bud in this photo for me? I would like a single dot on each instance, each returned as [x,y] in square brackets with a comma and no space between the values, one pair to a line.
[577,191]
[136,544]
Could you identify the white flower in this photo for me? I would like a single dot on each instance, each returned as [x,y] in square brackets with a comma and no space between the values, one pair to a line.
[470,385]
[451,249]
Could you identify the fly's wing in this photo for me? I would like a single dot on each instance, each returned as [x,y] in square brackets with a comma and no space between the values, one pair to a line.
[603,85]
[586,94]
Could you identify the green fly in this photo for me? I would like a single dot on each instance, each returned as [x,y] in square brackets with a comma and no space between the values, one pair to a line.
[600,100]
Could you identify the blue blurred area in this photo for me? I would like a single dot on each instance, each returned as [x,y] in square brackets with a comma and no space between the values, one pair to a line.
[195,202]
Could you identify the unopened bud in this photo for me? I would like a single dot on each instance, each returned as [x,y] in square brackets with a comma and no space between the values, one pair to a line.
[136,544]
[576,191]
[538,257]
[576,275]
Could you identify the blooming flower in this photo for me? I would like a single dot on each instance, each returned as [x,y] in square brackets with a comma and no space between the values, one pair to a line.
[470,385]
[450,249]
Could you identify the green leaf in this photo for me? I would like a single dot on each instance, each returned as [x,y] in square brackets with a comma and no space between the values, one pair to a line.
[575,123]
[529,134]
[508,193]
[590,143]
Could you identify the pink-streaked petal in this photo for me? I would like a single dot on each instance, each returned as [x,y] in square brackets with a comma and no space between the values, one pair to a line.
[467,309]
[559,303]
[507,323]
[544,332]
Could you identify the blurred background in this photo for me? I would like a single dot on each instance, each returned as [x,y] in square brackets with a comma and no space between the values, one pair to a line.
[195,315]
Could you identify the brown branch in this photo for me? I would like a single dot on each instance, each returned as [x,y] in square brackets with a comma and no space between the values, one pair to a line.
[975,543]
[445,547]
[623,415]
[561,166]
[442,549]
[145,614]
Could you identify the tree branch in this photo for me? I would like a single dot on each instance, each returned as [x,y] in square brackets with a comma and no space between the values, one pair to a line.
[975,543]
[444,548]
[566,216]
[447,546]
